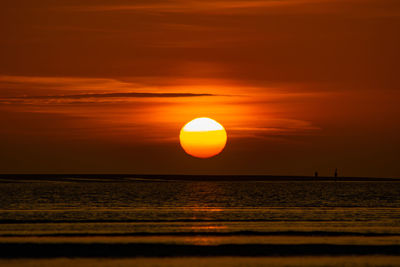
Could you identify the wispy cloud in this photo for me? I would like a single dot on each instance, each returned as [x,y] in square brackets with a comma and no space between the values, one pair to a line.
[185,6]
[113,95]
[68,83]
[277,127]
[42,90]
[233,7]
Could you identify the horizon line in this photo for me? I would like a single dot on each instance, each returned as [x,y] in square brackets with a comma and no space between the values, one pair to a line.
[210,177]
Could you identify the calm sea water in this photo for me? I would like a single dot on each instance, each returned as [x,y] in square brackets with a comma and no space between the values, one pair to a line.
[208,214]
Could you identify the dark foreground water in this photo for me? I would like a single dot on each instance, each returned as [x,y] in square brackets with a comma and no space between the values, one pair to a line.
[134,222]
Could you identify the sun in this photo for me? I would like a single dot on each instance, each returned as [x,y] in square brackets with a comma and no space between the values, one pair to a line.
[203,138]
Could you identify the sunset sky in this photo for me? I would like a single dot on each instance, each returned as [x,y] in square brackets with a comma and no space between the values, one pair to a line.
[105,86]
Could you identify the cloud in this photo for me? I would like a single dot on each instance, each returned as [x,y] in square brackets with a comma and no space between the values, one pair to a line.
[277,128]
[235,7]
[113,95]
[68,83]
[48,90]
[183,6]
[92,98]
[193,6]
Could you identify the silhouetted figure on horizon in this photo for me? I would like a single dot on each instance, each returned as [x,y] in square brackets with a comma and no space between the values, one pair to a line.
[335,172]
[316,174]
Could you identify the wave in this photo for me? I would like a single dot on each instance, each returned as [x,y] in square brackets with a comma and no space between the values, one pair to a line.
[233,233]
[40,221]
[52,250]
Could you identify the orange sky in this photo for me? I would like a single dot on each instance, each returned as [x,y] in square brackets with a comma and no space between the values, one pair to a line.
[105,86]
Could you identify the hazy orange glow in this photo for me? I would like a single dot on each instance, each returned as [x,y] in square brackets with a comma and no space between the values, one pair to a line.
[203,138]
[294,81]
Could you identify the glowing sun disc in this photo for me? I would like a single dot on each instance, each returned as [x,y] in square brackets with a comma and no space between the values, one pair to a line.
[203,137]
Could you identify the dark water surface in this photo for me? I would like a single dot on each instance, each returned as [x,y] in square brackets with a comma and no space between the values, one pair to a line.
[101,217]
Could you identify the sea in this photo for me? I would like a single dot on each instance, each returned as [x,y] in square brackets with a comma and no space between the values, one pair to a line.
[133,221]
